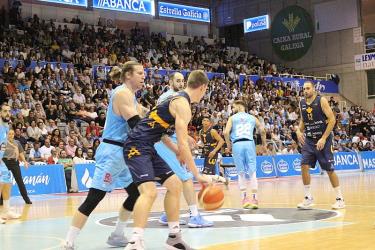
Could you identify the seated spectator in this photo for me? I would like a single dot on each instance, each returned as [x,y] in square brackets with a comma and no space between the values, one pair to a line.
[35,154]
[93,127]
[33,132]
[46,149]
[53,158]
[90,154]
[71,148]
[79,158]
[96,145]
[67,162]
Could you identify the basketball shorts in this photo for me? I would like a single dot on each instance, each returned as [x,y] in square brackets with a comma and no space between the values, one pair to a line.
[5,175]
[144,162]
[110,169]
[244,156]
[310,155]
[170,158]
[209,166]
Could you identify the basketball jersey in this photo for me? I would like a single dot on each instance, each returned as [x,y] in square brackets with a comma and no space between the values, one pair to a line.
[161,99]
[158,121]
[314,118]
[116,127]
[4,129]
[243,126]
[209,143]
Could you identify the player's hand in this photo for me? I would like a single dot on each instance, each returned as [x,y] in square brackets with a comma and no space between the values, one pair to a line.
[26,164]
[204,179]
[320,144]
[301,137]
[180,159]
[211,155]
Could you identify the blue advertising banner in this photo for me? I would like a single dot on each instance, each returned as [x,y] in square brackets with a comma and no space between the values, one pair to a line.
[368,160]
[265,167]
[256,23]
[184,12]
[346,161]
[132,6]
[162,72]
[84,173]
[82,3]
[320,85]
[44,179]
[290,165]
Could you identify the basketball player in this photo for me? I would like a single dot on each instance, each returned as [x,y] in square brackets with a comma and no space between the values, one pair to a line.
[239,136]
[146,165]
[314,134]
[177,83]
[110,168]
[5,176]
[212,143]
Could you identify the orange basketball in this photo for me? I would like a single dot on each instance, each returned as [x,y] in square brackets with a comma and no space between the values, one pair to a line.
[211,197]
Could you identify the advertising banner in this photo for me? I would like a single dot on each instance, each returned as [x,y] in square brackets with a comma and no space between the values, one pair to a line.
[132,6]
[42,179]
[184,12]
[256,23]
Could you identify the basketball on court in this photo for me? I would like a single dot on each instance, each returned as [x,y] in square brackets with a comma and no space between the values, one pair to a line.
[211,197]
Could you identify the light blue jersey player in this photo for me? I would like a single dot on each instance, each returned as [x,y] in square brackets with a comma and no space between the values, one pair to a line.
[110,168]
[239,136]
[195,221]
[5,175]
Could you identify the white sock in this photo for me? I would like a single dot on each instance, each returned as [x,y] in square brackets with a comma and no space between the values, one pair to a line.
[338,192]
[308,191]
[137,233]
[254,181]
[193,210]
[72,235]
[6,204]
[120,227]
[174,227]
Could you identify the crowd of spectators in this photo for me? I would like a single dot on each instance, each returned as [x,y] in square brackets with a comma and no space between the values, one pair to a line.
[58,114]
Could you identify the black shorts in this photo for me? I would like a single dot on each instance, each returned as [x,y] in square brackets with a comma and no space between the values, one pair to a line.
[145,164]
[210,165]
[325,156]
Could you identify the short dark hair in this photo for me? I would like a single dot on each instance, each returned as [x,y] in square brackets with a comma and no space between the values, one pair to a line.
[196,79]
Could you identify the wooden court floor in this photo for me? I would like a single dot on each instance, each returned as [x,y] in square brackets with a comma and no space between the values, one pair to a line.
[276,225]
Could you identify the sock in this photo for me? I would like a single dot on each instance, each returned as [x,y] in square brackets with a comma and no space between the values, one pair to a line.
[255,196]
[120,227]
[137,233]
[308,191]
[174,227]
[193,210]
[253,181]
[72,235]
[338,192]
[6,205]
[243,194]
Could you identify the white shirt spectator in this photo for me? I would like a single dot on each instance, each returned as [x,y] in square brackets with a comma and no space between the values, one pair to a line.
[46,151]
[79,98]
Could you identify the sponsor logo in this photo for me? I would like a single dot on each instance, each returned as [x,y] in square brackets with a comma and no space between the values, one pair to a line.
[282,166]
[266,167]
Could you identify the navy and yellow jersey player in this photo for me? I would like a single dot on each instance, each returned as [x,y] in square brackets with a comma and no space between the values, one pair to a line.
[239,137]
[212,142]
[110,168]
[146,166]
[315,135]
[177,83]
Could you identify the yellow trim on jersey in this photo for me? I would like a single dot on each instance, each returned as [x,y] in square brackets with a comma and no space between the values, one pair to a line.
[154,115]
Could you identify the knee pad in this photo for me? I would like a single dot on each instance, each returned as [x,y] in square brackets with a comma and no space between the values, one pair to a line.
[242,180]
[92,200]
[133,194]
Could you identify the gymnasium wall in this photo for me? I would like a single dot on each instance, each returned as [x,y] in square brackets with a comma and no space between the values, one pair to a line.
[330,52]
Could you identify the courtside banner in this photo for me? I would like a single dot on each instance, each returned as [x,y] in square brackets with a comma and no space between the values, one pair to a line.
[265,167]
[368,160]
[346,161]
[290,165]
[84,173]
[42,179]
